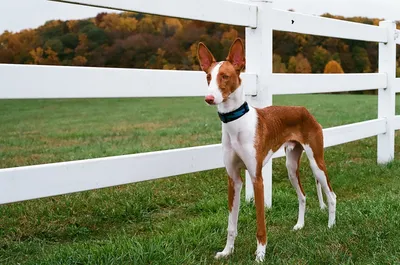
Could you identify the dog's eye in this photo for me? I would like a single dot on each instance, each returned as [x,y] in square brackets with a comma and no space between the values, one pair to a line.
[224,76]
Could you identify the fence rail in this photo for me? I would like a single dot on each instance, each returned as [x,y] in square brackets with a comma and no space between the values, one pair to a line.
[96,82]
[321,83]
[315,25]
[26,81]
[234,13]
[27,182]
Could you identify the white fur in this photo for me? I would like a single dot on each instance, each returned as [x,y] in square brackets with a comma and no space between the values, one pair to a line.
[291,165]
[320,176]
[238,139]
[234,174]
[213,88]
[322,205]
[239,152]
[260,252]
[268,157]
[289,146]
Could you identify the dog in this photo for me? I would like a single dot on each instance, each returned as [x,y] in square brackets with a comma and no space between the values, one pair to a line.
[250,136]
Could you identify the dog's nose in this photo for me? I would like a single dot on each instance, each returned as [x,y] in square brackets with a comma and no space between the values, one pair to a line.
[209,99]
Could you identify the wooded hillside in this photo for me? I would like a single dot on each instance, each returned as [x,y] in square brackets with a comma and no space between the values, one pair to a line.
[145,41]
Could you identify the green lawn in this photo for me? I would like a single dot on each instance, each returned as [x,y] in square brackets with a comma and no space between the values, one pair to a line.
[183,219]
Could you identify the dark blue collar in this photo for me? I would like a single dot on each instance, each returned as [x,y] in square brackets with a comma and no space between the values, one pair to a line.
[234,115]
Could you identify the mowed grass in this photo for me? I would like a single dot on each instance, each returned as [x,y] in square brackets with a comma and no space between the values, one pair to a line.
[183,219]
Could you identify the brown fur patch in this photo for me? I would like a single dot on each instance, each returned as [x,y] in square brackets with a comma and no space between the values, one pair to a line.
[208,72]
[280,124]
[258,187]
[276,126]
[228,80]
[231,193]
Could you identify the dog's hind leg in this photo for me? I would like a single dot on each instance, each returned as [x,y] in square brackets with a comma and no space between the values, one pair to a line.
[315,154]
[322,204]
[293,154]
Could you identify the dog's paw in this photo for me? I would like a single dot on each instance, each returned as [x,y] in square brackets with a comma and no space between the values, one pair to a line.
[331,224]
[260,256]
[223,254]
[322,206]
[260,252]
[298,227]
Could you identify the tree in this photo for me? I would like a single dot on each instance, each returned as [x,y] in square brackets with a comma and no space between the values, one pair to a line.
[336,57]
[55,45]
[96,36]
[361,60]
[333,67]
[37,55]
[82,47]
[5,55]
[79,61]
[397,69]
[331,44]
[99,18]
[171,27]
[227,38]
[51,57]
[70,40]
[146,25]
[292,65]
[302,64]
[72,25]
[48,56]
[138,40]
[52,29]
[115,22]
[191,55]
[157,61]
[346,61]
[320,58]
[277,65]
[299,64]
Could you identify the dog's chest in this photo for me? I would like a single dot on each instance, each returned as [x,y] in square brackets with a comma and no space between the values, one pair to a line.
[239,135]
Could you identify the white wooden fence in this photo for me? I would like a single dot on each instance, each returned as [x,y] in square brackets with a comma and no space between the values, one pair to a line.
[260,19]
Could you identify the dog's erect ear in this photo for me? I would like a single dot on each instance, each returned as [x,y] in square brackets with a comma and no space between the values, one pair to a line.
[236,55]
[205,57]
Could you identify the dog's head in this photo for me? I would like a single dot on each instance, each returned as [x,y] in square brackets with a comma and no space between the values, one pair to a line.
[223,77]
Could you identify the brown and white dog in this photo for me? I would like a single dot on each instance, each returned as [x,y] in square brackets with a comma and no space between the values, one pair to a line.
[250,136]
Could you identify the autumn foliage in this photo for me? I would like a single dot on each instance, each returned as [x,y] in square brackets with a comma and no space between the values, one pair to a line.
[333,67]
[135,40]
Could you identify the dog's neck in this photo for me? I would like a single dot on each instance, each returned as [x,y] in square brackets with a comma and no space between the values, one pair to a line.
[234,101]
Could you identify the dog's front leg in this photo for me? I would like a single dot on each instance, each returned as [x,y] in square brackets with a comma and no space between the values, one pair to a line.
[254,166]
[234,188]
[258,186]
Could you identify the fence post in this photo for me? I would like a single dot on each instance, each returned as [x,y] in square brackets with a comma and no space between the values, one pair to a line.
[387,96]
[259,60]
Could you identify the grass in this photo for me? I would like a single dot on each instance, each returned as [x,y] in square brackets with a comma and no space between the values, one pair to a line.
[183,219]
